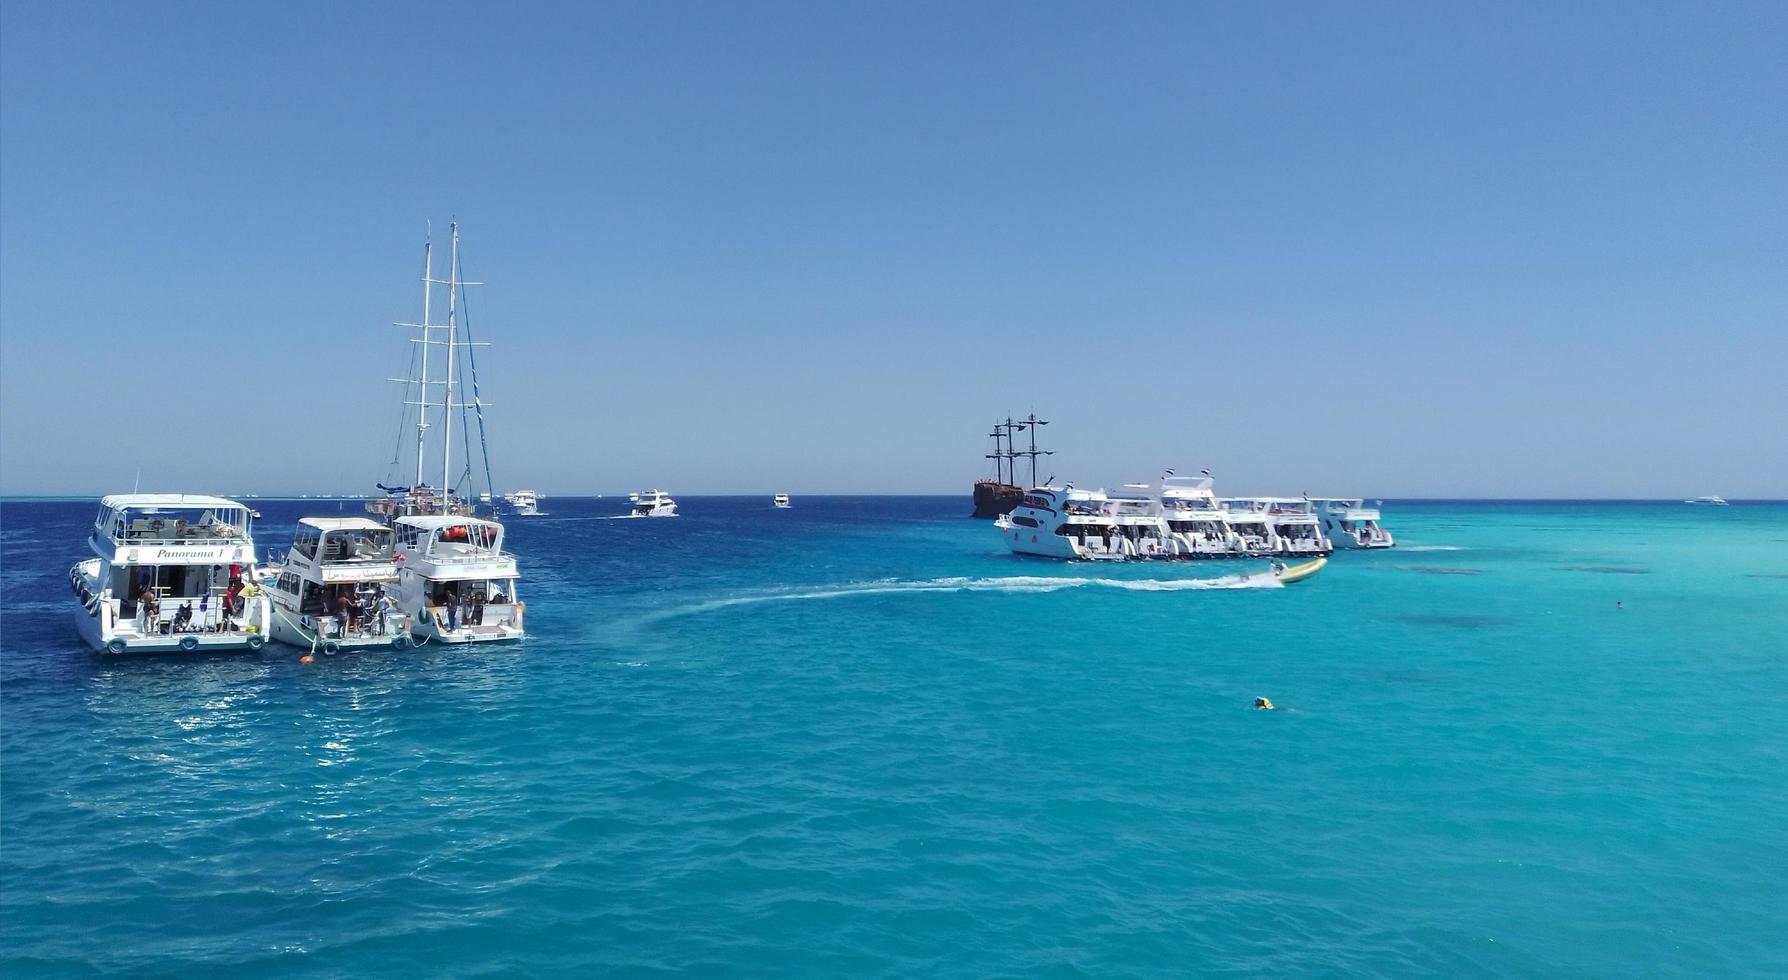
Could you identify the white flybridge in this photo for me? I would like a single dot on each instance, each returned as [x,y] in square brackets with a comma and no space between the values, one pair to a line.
[651,503]
[780,501]
[455,584]
[1350,524]
[174,573]
[523,503]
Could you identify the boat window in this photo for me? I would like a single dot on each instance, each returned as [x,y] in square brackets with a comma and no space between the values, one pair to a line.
[1024,521]
[305,543]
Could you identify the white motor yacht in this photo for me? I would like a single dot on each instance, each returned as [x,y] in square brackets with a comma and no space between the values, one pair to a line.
[456,584]
[780,501]
[1249,525]
[1297,526]
[173,573]
[1709,501]
[1195,524]
[1349,524]
[523,503]
[651,503]
[1065,523]
[336,588]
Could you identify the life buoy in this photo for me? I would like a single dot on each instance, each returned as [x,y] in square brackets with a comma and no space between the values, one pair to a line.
[254,641]
[400,643]
[189,643]
[116,646]
[331,648]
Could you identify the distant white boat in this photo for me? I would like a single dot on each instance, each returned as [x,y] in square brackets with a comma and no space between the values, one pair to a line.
[780,501]
[523,503]
[652,503]
[1709,501]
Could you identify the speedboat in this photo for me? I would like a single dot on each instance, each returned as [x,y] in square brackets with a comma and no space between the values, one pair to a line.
[1709,501]
[173,573]
[330,593]
[1349,524]
[780,501]
[455,582]
[523,503]
[651,503]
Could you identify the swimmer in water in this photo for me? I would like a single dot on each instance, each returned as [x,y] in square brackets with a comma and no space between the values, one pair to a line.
[1263,704]
[1619,604]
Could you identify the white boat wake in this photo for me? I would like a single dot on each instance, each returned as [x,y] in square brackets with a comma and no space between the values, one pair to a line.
[1011,584]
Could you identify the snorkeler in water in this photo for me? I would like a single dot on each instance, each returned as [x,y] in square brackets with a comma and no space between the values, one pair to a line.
[1263,704]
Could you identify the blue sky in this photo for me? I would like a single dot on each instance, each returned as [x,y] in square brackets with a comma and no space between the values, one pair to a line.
[1379,249]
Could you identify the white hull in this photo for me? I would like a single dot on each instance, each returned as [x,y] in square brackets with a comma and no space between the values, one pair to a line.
[99,624]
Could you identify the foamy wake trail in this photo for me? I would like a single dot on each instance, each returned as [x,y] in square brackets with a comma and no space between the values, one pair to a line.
[1012,583]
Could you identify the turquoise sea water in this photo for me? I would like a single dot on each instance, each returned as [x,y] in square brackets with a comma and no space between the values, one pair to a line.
[858,739]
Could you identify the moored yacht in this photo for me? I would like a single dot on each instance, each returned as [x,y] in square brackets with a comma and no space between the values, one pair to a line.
[1250,527]
[651,503]
[1297,527]
[1349,524]
[456,584]
[1065,523]
[336,587]
[1195,524]
[780,501]
[173,573]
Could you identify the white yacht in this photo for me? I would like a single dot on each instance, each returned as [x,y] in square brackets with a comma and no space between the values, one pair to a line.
[523,503]
[1297,526]
[1349,524]
[1065,523]
[651,503]
[1709,501]
[455,582]
[1249,525]
[173,573]
[1195,524]
[780,501]
[330,592]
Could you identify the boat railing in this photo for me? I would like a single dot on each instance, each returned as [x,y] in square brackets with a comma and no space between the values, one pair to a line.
[439,558]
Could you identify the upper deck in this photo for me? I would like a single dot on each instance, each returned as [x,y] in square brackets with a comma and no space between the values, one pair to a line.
[454,547]
[343,549]
[172,529]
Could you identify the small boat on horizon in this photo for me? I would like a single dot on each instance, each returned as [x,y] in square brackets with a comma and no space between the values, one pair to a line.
[780,501]
[1711,500]
[523,503]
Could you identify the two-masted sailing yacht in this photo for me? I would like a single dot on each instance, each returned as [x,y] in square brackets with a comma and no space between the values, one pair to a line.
[427,568]
[999,495]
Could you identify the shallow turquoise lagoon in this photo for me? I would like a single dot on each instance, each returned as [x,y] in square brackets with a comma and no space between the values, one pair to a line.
[856,738]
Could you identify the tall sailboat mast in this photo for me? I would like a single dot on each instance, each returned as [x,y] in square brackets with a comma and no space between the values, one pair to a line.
[447,392]
[428,275]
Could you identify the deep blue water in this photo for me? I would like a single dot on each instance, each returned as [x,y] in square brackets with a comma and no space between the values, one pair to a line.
[858,739]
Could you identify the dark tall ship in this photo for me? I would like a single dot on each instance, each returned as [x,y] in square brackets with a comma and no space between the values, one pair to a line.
[1002,493]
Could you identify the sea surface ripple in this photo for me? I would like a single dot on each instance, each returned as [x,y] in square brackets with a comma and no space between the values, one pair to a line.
[856,738]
